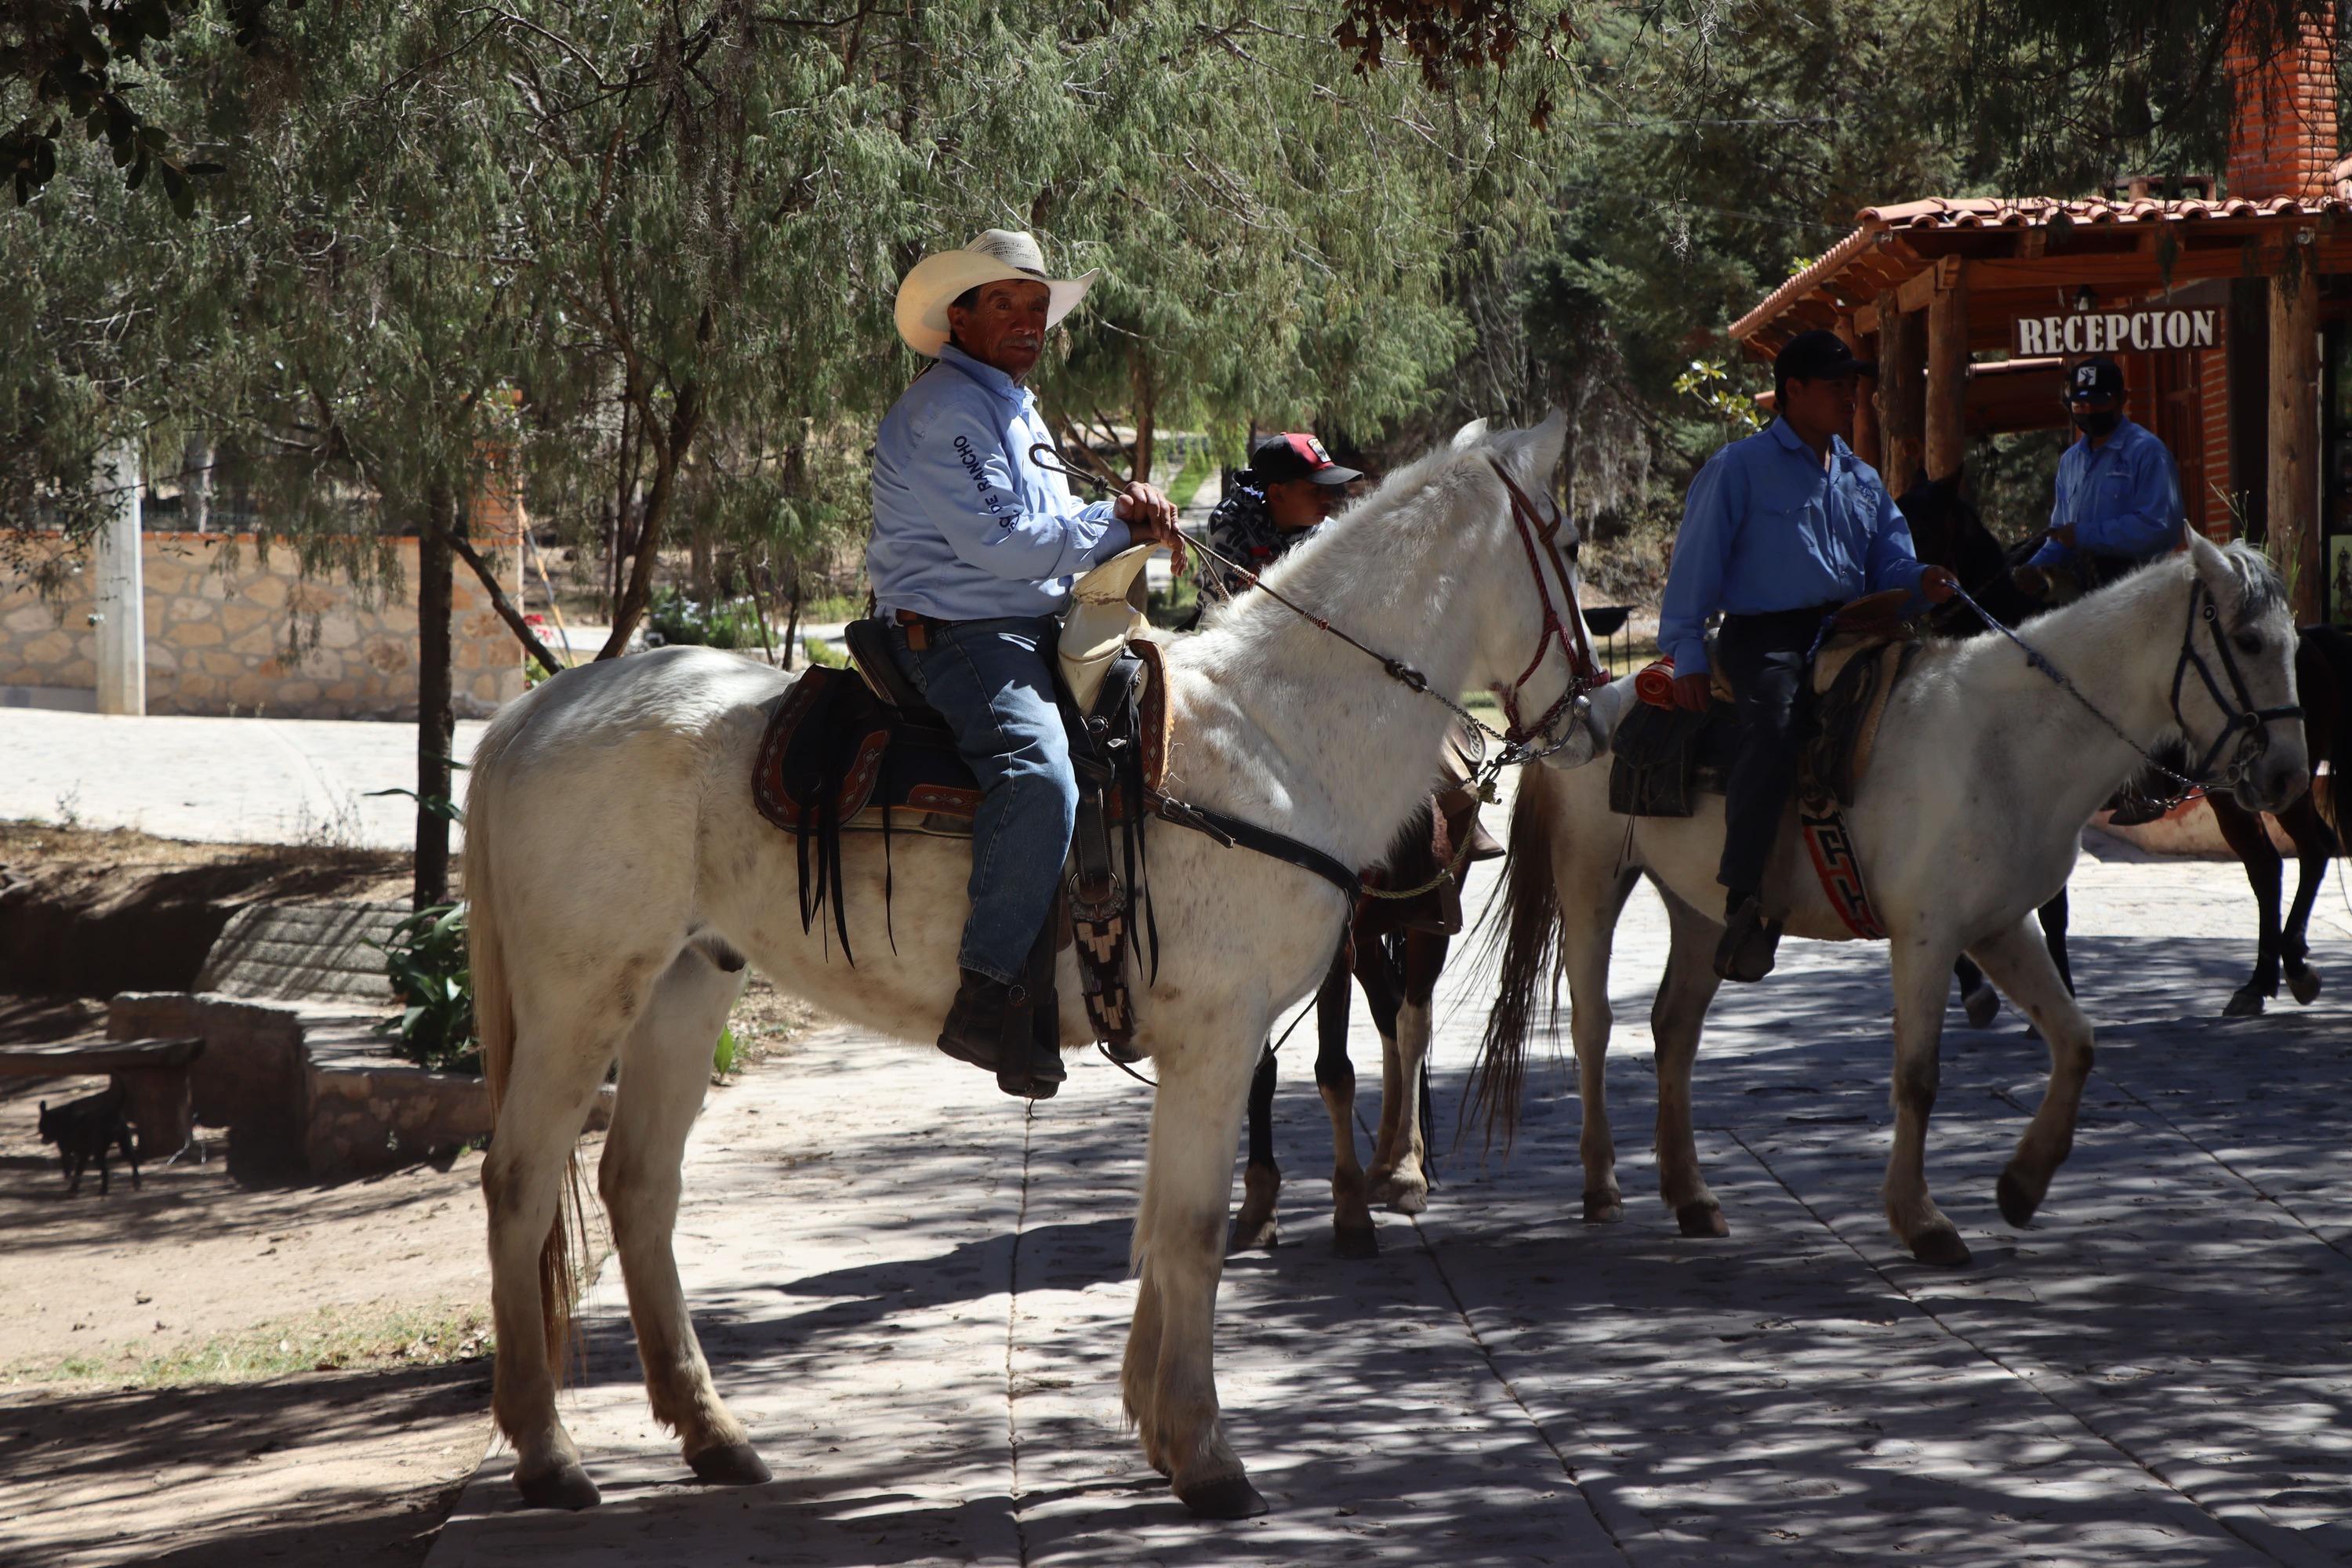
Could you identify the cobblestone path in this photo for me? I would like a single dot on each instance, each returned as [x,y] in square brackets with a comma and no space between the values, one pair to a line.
[916,1296]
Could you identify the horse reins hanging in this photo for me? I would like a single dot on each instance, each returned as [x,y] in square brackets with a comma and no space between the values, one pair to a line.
[2241,715]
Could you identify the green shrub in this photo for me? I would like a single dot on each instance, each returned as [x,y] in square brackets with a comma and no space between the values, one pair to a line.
[672,617]
[723,1055]
[824,653]
[427,962]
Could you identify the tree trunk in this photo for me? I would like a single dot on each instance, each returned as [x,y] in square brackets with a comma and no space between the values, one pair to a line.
[1142,415]
[436,721]
[684,420]
[793,627]
[197,485]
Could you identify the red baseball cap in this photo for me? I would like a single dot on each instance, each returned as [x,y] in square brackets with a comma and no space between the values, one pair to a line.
[1279,460]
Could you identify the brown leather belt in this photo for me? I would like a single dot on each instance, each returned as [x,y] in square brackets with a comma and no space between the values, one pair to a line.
[918,627]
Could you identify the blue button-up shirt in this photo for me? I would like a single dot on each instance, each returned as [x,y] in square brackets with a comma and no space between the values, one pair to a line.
[1766,527]
[2123,497]
[966,527]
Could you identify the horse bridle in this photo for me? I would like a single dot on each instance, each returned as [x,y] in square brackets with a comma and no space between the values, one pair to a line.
[2238,716]
[1540,536]
[1522,741]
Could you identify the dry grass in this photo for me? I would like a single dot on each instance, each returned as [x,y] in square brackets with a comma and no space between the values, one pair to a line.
[334,1339]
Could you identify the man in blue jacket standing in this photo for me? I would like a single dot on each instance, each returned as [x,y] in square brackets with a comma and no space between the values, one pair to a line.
[1778,532]
[2118,501]
[975,546]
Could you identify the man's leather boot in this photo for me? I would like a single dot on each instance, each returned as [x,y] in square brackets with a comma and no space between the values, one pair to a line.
[974,1031]
[1750,943]
[1029,1064]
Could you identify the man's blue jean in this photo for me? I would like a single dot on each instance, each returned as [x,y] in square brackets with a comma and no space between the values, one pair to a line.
[989,680]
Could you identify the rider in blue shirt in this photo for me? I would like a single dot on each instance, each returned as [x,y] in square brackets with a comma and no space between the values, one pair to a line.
[2118,494]
[1778,532]
[975,544]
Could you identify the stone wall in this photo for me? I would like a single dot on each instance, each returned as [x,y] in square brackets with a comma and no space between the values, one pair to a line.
[229,633]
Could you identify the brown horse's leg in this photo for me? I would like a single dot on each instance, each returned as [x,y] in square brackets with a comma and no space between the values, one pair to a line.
[1335,1078]
[1404,1186]
[1258,1224]
[2252,844]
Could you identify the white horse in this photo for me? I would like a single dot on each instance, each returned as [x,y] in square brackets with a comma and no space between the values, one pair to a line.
[619,878]
[1968,820]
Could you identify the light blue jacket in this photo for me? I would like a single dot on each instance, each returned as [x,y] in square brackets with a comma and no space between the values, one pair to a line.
[1766,527]
[966,527]
[2123,498]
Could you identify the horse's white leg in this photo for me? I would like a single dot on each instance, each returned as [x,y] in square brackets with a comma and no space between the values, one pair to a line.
[560,1057]
[1676,1017]
[1923,981]
[1589,914]
[2021,966]
[1385,1153]
[665,1070]
[1168,1378]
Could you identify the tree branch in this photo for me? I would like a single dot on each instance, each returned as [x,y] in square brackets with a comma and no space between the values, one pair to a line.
[504,605]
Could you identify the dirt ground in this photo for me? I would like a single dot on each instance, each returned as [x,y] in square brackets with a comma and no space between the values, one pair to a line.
[199,1372]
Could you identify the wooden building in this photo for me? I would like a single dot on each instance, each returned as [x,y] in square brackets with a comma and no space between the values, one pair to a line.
[2230,310]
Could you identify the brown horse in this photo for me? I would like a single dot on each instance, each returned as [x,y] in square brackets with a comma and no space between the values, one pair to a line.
[1395,948]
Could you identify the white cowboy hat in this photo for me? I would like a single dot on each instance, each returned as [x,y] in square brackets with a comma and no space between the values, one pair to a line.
[995,256]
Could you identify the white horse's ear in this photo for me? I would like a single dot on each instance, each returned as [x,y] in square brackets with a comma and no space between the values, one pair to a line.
[1533,452]
[1468,436]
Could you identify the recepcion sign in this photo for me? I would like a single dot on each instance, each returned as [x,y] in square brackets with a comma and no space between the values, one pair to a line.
[2114,332]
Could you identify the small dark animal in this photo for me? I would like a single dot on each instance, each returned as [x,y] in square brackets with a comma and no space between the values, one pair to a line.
[83,1130]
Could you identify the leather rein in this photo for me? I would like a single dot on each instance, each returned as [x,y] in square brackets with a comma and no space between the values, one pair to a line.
[1522,741]
[2237,715]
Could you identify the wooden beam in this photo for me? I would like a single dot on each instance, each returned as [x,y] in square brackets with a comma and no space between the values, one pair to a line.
[1902,392]
[2293,512]
[1864,435]
[1945,392]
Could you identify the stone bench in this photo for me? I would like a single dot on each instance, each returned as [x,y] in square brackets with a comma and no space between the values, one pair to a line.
[152,1073]
[295,1063]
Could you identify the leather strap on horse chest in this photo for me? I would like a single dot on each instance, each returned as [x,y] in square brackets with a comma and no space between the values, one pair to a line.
[1229,831]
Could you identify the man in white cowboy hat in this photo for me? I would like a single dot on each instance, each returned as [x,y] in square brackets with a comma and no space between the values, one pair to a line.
[975,547]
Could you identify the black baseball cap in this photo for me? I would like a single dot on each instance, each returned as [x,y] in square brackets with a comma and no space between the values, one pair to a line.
[1817,355]
[1279,460]
[2095,380]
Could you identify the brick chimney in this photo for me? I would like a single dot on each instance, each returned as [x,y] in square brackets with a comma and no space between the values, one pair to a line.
[2282,134]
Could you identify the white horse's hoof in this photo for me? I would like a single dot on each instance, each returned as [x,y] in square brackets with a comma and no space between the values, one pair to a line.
[1703,1221]
[1405,1197]
[1233,1498]
[1940,1246]
[1983,1005]
[1349,1241]
[732,1464]
[1603,1206]
[566,1486]
[2245,1002]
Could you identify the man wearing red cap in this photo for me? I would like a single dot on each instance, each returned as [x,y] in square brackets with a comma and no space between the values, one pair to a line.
[1279,501]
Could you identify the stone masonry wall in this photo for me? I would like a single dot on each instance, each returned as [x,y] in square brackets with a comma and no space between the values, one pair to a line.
[230,634]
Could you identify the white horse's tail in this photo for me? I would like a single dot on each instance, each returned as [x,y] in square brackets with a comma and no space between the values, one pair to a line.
[1524,922]
[494,1031]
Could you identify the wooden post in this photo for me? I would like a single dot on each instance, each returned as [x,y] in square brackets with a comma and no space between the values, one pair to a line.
[2294,506]
[119,613]
[1864,437]
[1945,393]
[1902,392]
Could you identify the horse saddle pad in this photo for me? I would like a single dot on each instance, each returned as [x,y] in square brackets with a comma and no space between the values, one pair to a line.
[1663,756]
[836,754]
